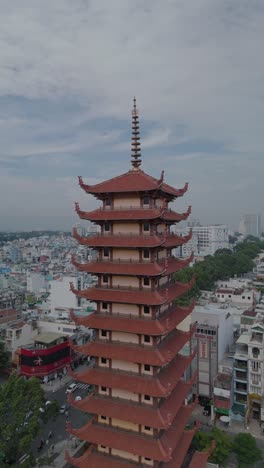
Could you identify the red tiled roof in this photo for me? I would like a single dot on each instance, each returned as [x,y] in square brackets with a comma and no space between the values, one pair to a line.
[199,459]
[139,325]
[158,356]
[129,296]
[171,265]
[159,417]
[157,449]
[132,214]
[181,449]
[156,386]
[132,241]
[133,181]
[94,459]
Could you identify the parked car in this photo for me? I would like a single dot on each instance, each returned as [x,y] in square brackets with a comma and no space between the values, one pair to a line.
[64,408]
[78,398]
[72,387]
[47,403]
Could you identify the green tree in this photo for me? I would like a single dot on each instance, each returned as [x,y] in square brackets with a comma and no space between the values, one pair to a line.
[223,444]
[4,356]
[20,401]
[246,450]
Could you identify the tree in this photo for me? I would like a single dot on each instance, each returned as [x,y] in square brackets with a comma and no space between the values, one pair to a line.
[20,401]
[246,450]
[223,444]
[4,356]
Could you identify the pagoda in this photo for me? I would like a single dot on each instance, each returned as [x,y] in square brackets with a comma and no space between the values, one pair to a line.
[144,368]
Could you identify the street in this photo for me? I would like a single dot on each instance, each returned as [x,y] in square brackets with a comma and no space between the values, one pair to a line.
[58,427]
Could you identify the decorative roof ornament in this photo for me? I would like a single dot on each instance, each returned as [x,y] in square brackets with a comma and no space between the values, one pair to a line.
[135,139]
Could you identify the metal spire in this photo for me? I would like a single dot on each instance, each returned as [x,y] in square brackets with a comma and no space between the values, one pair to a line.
[135,139]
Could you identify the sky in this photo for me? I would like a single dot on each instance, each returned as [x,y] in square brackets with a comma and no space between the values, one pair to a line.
[69,71]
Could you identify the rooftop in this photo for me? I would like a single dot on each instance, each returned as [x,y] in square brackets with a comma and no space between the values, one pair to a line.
[49,337]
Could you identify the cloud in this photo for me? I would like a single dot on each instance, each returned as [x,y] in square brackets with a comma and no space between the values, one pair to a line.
[69,71]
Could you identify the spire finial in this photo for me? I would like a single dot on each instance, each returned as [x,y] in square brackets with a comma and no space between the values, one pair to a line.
[135,143]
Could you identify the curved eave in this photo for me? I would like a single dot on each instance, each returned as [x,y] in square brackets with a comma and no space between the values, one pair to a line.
[133,214]
[130,183]
[156,386]
[182,448]
[136,325]
[158,418]
[157,449]
[199,459]
[129,296]
[116,240]
[132,268]
[94,459]
[158,356]
[132,241]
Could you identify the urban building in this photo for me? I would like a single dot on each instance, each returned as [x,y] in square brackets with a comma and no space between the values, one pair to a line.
[60,295]
[250,225]
[222,394]
[210,239]
[145,366]
[214,333]
[50,354]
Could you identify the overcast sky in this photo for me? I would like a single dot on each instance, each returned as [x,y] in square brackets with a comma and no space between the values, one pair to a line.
[69,71]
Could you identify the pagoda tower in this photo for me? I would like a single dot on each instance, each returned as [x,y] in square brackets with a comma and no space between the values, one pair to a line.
[144,365]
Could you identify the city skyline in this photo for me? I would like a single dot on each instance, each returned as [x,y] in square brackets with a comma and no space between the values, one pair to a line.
[69,73]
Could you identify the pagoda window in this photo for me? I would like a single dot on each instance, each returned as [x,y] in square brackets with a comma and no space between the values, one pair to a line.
[106,252]
[104,305]
[108,202]
[146,227]
[105,279]
[146,281]
[103,389]
[146,310]
[104,333]
[145,200]
[146,253]
[103,360]
[147,367]
[147,428]
[146,339]
[107,227]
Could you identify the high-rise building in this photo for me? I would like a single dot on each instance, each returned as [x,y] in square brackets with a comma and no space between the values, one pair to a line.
[209,239]
[144,362]
[250,225]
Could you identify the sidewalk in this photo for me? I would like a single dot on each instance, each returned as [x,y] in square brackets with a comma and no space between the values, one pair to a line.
[73,446]
[56,384]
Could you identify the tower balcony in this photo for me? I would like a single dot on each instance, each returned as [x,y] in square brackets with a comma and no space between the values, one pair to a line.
[159,385]
[133,213]
[143,296]
[132,324]
[143,354]
[159,449]
[132,240]
[132,267]
[159,417]
[94,459]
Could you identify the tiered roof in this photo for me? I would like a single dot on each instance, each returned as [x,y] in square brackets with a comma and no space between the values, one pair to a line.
[159,417]
[131,182]
[164,267]
[160,449]
[154,356]
[125,214]
[168,415]
[132,241]
[141,325]
[135,296]
[159,385]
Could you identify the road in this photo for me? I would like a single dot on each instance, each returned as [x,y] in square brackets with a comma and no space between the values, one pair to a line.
[58,427]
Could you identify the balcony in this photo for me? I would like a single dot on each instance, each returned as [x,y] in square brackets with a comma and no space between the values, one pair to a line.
[240,376]
[241,388]
[240,365]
